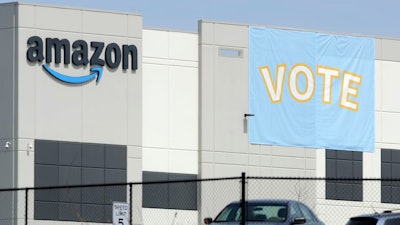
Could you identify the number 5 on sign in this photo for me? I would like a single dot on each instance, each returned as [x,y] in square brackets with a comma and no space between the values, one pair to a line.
[120,213]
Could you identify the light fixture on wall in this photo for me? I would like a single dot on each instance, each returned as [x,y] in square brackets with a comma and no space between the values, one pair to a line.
[247,115]
[7,145]
[245,121]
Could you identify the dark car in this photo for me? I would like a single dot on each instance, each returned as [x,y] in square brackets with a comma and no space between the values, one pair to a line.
[266,211]
[384,218]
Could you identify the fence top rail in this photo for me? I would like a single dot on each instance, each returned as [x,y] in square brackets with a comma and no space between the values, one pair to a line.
[119,184]
[323,178]
[198,180]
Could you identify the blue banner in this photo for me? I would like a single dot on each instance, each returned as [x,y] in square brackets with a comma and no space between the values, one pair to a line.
[311,90]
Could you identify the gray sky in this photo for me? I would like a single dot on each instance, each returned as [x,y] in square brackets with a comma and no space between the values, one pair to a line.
[366,17]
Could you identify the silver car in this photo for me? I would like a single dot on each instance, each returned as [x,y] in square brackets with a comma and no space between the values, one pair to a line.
[384,218]
[266,211]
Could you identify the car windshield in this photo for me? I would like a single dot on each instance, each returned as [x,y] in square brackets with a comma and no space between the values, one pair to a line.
[259,211]
[362,221]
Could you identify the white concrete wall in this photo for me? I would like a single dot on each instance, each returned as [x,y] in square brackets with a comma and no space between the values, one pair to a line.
[170,101]
[107,112]
[225,150]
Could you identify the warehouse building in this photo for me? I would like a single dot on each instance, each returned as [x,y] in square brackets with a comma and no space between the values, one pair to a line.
[91,97]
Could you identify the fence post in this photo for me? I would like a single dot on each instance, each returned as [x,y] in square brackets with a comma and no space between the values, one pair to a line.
[26,206]
[243,199]
[130,204]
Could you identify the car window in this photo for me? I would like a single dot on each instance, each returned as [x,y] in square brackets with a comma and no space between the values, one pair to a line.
[229,213]
[308,215]
[392,221]
[267,212]
[362,221]
[259,211]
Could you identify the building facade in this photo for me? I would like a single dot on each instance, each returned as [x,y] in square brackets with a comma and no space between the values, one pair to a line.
[161,105]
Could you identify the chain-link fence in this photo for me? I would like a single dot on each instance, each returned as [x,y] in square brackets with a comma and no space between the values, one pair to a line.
[187,202]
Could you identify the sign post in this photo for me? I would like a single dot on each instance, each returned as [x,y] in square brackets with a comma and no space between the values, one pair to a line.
[120,213]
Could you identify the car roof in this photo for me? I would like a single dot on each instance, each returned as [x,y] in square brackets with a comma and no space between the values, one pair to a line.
[387,214]
[277,201]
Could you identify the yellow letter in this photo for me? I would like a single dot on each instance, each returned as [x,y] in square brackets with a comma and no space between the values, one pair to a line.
[274,89]
[328,73]
[307,94]
[348,90]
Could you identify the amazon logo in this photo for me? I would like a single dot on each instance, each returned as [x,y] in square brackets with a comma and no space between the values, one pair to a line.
[111,56]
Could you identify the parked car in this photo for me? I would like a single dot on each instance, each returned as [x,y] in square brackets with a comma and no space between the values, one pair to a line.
[266,211]
[384,218]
